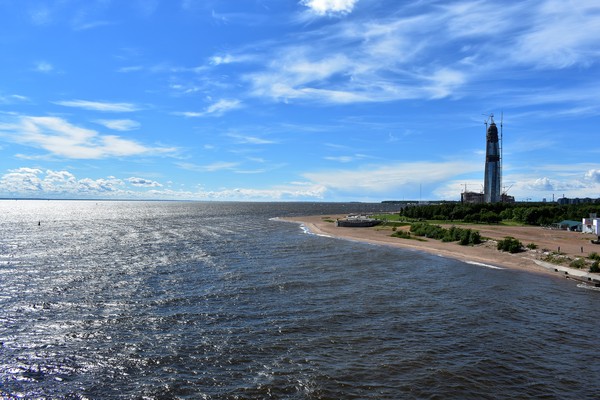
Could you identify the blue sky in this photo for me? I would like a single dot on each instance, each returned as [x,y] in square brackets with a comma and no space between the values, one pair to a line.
[318,100]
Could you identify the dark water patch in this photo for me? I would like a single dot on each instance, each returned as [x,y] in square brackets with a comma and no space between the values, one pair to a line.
[215,300]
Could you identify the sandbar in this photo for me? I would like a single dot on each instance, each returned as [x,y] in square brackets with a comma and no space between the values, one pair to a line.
[570,244]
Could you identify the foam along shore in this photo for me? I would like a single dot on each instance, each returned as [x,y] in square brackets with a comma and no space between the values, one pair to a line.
[570,244]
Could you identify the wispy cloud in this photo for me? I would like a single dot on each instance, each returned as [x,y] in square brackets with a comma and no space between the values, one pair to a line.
[245,139]
[281,192]
[87,25]
[12,98]
[119,124]
[44,67]
[568,40]
[213,167]
[230,59]
[99,106]
[63,139]
[395,177]
[347,159]
[357,61]
[418,52]
[40,15]
[145,8]
[133,68]
[215,110]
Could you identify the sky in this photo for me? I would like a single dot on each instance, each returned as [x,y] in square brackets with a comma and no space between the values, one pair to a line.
[297,100]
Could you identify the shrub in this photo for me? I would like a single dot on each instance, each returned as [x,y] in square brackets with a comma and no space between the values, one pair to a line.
[532,246]
[594,256]
[454,234]
[595,267]
[553,258]
[577,263]
[510,244]
[428,230]
[402,234]
[474,237]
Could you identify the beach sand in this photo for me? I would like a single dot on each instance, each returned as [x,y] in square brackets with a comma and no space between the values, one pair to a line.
[569,243]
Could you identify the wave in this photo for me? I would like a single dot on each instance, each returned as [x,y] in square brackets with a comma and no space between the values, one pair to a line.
[483,265]
[586,286]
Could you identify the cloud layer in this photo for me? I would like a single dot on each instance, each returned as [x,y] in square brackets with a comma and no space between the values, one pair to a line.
[308,99]
[59,138]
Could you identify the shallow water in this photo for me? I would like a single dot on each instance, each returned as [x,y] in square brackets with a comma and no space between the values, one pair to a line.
[217,300]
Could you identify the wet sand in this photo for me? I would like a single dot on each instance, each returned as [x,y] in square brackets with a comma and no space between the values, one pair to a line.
[568,243]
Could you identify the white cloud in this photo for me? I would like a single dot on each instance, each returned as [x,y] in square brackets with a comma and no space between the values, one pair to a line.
[22,180]
[62,139]
[99,106]
[444,82]
[110,185]
[35,182]
[227,59]
[593,175]
[542,184]
[141,182]
[44,67]
[119,124]
[115,146]
[329,7]
[570,180]
[39,183]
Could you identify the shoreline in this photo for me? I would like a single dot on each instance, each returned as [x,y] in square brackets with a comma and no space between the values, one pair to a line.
[484,254]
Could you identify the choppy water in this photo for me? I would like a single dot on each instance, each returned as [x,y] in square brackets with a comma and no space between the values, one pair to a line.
[131,300]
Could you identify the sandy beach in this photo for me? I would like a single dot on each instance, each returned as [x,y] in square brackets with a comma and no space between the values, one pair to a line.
[570,244]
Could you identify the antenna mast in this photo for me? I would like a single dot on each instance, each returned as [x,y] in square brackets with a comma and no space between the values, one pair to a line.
[501,147]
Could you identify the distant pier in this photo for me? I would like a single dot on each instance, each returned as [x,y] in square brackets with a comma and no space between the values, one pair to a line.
[357,221]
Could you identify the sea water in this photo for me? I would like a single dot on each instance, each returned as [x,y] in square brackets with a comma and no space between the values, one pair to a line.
[161,300]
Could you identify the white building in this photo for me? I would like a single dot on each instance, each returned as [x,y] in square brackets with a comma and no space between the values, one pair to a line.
[591,225]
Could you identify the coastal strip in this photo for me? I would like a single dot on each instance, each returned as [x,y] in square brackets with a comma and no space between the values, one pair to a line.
[485,254]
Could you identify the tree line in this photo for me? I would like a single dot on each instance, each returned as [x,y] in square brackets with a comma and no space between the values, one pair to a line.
[526,213]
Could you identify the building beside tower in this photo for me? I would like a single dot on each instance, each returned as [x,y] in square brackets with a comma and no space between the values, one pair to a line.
[493,170]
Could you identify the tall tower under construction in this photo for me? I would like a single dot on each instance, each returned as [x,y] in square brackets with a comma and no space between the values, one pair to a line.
[493,168]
